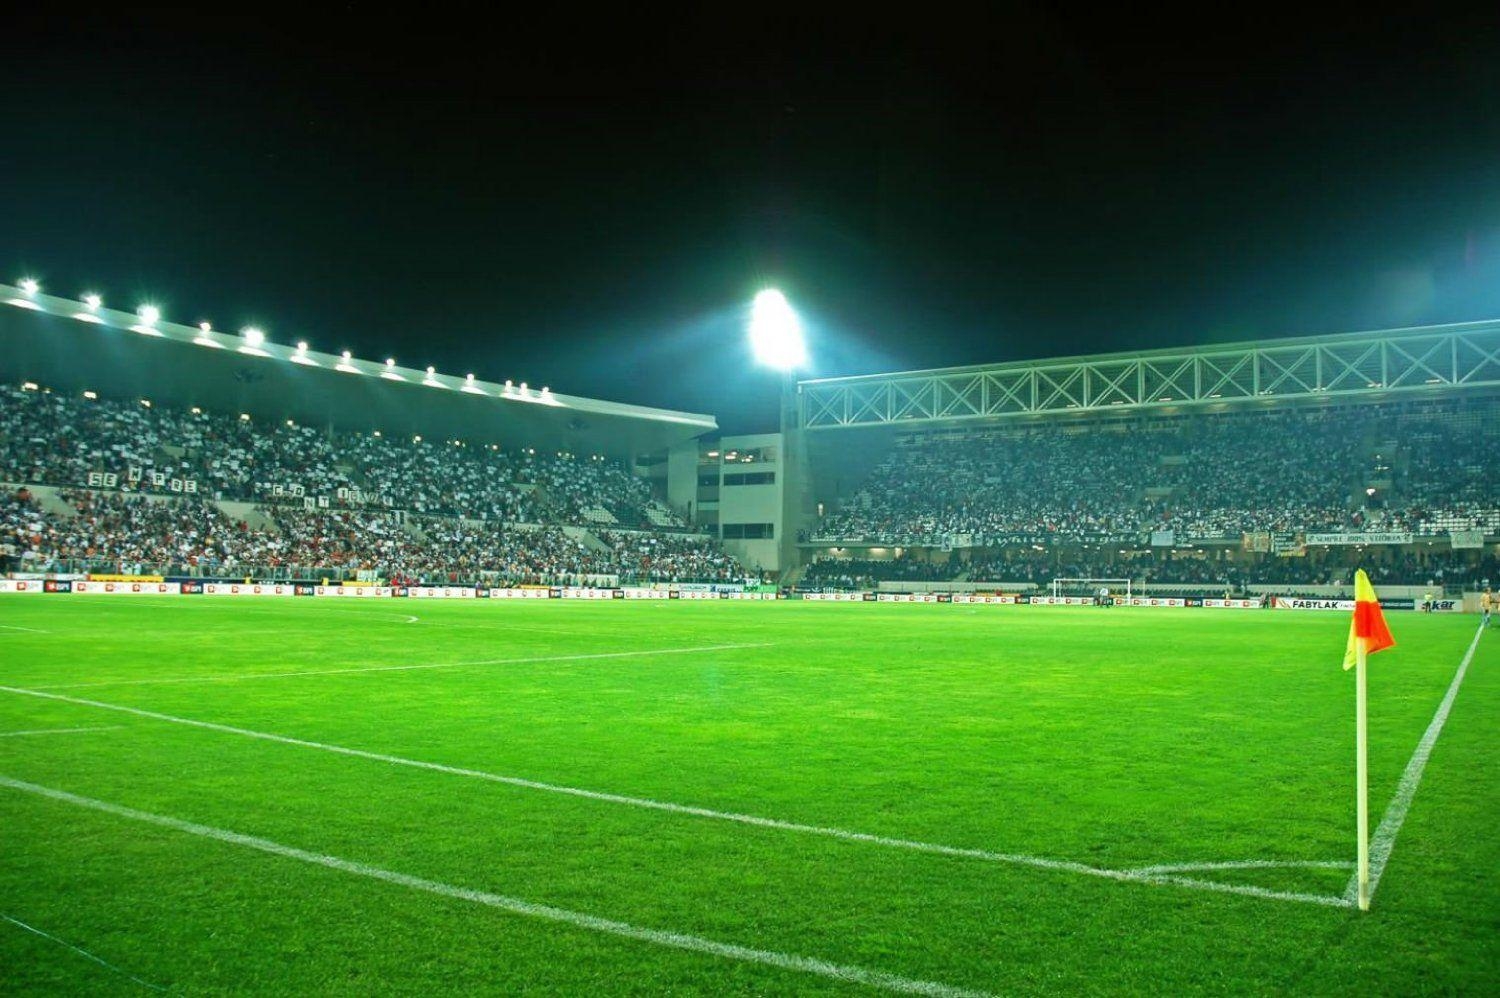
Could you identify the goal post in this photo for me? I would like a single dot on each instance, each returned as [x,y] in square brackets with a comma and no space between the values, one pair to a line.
[1091,587]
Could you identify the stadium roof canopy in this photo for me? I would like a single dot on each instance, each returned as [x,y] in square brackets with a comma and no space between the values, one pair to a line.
[1434,361]
[75,346]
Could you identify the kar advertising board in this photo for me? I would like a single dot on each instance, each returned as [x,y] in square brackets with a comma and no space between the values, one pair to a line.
[127,588]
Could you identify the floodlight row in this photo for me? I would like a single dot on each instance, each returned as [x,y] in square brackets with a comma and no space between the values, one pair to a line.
[253,341]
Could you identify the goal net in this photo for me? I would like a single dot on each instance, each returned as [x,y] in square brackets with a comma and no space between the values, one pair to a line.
[1118,588]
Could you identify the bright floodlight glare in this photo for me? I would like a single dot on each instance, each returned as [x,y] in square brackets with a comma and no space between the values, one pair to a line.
[149,314]
[776,333]
[92,302]
[29,285]
[253,337]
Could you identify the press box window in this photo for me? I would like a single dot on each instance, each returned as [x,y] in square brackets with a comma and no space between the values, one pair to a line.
[749,531]
[750,478]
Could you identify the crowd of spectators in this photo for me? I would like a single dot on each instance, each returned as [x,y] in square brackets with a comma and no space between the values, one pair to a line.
[1207,478]
[1022,566]
[50,439]
[134,534]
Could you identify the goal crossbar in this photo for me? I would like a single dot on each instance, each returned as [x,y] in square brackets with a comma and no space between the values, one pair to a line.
[1092,585]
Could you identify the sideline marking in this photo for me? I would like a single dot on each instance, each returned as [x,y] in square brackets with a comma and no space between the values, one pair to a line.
[28,630]
[1384,839]
[516,906]
[80,951]
[58,731]
[400,668]
[1247,864]
[1040,862]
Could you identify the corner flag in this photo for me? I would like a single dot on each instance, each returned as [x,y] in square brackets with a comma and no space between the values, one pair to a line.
[1368,622]
[1367,633]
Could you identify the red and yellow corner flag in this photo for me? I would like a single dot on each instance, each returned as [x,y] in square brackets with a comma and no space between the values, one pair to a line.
[1368,622]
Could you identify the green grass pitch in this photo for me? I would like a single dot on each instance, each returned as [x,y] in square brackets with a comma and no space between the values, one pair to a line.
[1053,753]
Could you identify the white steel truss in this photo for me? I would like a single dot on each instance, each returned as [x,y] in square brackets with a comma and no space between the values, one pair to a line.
[1378,365]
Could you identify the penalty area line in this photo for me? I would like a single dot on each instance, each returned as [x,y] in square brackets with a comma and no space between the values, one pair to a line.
[1014,859]
[401,668]
[58,731]
[516,906]
[1383,842]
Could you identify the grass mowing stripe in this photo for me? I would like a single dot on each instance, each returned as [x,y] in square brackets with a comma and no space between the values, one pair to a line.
[405,668]
[1384,839]
[81,952]
[593,923]
[1039,862]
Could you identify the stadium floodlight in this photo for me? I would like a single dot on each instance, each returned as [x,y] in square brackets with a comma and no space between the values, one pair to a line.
[91,395]
[203,339]
[29,286]
[776,332]
[253,337]
[148,315]
[91,305]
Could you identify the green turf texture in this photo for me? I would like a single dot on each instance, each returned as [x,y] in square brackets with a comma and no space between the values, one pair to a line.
[1116,738]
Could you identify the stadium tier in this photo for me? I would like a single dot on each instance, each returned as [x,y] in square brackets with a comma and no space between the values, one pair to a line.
[138,488]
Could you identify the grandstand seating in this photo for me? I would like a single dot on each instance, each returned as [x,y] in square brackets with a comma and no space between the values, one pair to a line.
[141,488]
[1204,478]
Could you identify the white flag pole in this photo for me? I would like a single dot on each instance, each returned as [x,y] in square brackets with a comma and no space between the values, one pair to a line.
[1362,772]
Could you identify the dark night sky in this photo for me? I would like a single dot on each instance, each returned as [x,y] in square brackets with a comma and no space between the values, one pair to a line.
[590,204]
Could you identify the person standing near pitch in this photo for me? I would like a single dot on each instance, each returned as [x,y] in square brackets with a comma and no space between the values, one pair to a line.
[1486,604]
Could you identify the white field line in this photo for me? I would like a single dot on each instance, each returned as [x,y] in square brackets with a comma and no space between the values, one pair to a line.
[1384,839]
[240,603]
[81,952]
[1247,864]
[516,906]
[28,630]
[58,731]
[237,677]
[1016,859]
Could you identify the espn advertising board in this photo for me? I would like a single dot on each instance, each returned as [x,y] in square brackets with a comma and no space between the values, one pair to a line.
[906,597]
[1234,604]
